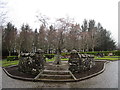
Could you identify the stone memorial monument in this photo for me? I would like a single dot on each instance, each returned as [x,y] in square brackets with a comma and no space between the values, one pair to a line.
[31,63]
[80,62]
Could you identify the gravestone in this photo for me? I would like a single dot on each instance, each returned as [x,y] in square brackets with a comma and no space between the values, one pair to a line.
[31,63]
[80,62]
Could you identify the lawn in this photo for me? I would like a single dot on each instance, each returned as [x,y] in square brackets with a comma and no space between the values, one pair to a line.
[5,63]
[97,58]
[53,59]
[112,58]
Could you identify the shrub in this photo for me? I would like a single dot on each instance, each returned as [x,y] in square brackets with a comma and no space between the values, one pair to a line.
[117,53]
[12,58]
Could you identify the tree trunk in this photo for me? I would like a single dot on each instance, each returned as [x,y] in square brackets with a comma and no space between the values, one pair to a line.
[19,53]
[57,59]
[9,53]
[93,49]
[87,48]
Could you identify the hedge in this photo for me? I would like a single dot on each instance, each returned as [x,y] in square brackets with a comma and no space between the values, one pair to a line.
[117,53]
[12,58]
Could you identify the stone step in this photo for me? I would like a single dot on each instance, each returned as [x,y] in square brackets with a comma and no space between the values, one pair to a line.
[55,72]
[48,76]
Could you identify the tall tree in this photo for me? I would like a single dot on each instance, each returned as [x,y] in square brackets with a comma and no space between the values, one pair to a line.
[84,35]
[42,37]
[73,37]
[9,38]
[84,26]
[91,25]
[63,27]
[51,38]
[105,41]
[26,39]
[93,34]
[35,40]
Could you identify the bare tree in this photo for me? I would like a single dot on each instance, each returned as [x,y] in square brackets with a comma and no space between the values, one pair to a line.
[93,33]
[84,36]
[42,37]
[26,39]
[72,39]
[43,19]
[9,39]
[63,27]
[85,39]
[51,38]
[35,40]
[94,38]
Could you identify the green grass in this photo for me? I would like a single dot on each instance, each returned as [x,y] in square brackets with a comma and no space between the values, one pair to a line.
[53,59]
[48,60]
[112,56]
[97,58]
[64,59]
[5,63]
[106,58]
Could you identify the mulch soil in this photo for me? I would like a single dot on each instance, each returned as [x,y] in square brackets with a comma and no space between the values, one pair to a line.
[14,71]
[98,67]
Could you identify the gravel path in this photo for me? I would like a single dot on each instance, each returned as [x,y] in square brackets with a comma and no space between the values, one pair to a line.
[108,79]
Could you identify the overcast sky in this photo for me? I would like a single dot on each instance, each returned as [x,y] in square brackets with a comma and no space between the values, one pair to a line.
[103,11]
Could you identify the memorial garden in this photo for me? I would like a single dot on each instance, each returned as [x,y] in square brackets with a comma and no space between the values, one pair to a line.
[59,44]
[65,52]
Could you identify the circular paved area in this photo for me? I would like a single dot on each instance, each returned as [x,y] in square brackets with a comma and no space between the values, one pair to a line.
[108,79]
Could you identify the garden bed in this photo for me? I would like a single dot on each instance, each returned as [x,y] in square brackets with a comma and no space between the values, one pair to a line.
[14,71]
[99,65]
[95,69]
